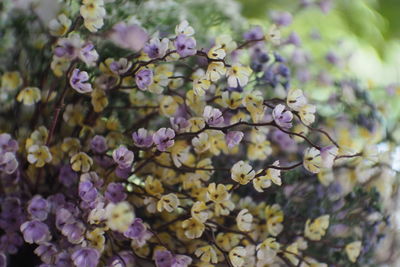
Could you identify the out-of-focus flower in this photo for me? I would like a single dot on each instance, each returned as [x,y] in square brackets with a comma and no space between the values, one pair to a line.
[59,26]
[8,162]
[306,114]
[201,85]
[119,216]
[11,80]
[353,250]
[131,37]
[296,99]
[328,155]
[281,18]
[138,232]
[98,144]
[207,254]
[86,257]
[316,229]
[233,138]
[29,96]
[93,12]
[38,208]
[184,28]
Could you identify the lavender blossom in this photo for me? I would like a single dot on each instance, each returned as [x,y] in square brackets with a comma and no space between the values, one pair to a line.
[87,191]
[156,48]
[98,144]
[163,258]
[38,208]
[88,54]
[46,252]
[138,232]
[7,144]
[185,46]
[35,232]
[213,116]
[115,192]
[123,157]
[164,138]
[144,78]
[8,162]
[78,81]
[142,138]
[86,257]
[281,117]
[67,176]
[130,37]
[255,33]
[233,138]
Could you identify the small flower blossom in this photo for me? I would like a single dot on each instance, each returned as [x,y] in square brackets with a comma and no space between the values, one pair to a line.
[98,144]
[142,138]
[39,155]
[156,48]
[306,114]
[199,211]
[119,216]
[242,172]
[38,208]
[225,42]
[296,99]
[184,28]
[207,254]
[244,220]
[8,162]
[138,232]
[282,118]
[213,116]
[115,192]
[81,162]
[237,256]
[93,12]
[78,81]
[163,258]
[181,261]
[164,138]
[86,257]
[201,85]
[201,143]
[268,249]
[11,80]
[216,52]
[59,26]
[168,202]
[88,55]
[312,160]
[238,75]
[316,230]
[144,78]
[233,138]
[131,37]
[193,228]
[74,232]
[215,71]
[29,96]
[353,250]
[328,155]
[35,232]
[87,191]
[185,46]
[123,157]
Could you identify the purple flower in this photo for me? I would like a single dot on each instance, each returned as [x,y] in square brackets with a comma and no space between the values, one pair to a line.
[282,118]
[233,138]
[164,138]
[281,18]
[38,208]
[63,217]
[115,192]
[325,6]
[46,252]
[35,232]
[181,261]
[68,47]
[143,78]
[123,173]
[328,155]
[74,232]
[8,162]
[86,257]
[294,39]
[7,144]
[284,141]
[123,259]
[88,54]
[185,46]
[123,157]
[138,232]
[142,138]
[87,191]
[163,258]
[179,123]
[156,48]
[10,242]
[213,116]
[78,81]
[63,259]
[67,176]
[98,144]
[130,37]
[3,259]
[256,33]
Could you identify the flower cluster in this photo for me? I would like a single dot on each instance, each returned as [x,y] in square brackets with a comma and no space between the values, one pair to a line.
[130,146]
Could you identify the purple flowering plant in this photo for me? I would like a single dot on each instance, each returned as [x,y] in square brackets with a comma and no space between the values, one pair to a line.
[161,149]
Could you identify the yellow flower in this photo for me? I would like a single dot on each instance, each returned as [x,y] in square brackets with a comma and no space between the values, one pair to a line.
[231,100]
[306,114]
[215,70]
[244,220]
[39,155]
[29,96]
[81,162]
[201,85]
[74,115]
[193,228]
[195,102]
[268,249]
[59,65]
[196,124]
[11,80]
[59,26]
[254,105]
[201,143]
[119,216]
[292,251]
[37,137]
[238,75]
[259,150]
[316,230]
[96,239]
[221,198]
[93,12]
[353,250]
[242,172]
[160,80]
[207,254]
[274,217]
[71,146]
[99,100]
[296,99]
[312,160]
[168,106]
[227,241]
[200,211]
[216,52]
[217,142]
[237,256]
[153,186]
[225,42]
[264,181]
[168,202]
